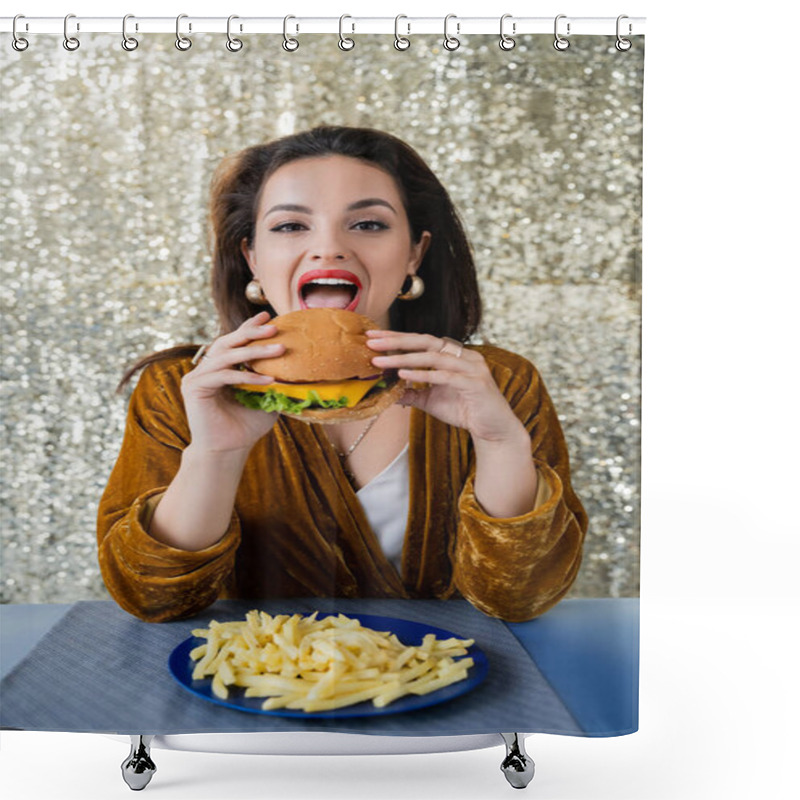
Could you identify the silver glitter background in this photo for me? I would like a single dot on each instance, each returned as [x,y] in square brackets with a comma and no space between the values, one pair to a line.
[106,158]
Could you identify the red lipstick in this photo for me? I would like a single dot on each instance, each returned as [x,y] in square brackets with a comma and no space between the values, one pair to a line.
[330,277]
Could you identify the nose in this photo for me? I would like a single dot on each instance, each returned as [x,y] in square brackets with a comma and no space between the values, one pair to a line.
[327,247]
[329,254]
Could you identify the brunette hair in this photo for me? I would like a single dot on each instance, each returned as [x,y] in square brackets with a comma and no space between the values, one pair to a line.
[450,305]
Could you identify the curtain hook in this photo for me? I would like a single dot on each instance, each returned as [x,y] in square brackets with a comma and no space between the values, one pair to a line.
[560,42]
[182,42]
[345,43]
[451,42]
[19,43]
[71,43]
[129,43]
[623,45]
[401,42]
[506,42]
[233,45]
[290,44]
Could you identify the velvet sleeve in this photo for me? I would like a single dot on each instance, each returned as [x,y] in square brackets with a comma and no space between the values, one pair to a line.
[147,578]
[517,568]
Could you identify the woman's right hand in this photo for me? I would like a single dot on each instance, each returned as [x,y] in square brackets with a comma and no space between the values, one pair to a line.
[218,423]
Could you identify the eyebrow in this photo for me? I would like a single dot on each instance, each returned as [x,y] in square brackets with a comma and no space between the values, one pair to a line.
[365,203]
[370,201]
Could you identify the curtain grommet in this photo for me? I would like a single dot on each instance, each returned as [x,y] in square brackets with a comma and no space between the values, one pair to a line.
[345,42]
[182,42]
[560,42]
[233,44]
[129,43]
[289,44]
[19,43]
[622,44]
[507,42]
[401,42]
[71,43]
[451,43]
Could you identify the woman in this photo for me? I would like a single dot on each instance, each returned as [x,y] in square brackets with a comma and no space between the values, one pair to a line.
[461,489]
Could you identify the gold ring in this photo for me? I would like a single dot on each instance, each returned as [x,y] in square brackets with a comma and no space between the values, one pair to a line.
[451,347]
[200,354]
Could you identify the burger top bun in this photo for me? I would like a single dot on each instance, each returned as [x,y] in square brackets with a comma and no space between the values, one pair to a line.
[322,344]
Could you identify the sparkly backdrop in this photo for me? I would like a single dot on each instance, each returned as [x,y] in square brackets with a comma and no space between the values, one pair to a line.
[106,158]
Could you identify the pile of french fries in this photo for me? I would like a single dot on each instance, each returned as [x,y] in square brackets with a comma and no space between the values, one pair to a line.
[301,662]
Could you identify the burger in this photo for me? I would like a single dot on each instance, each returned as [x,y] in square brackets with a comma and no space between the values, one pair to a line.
[325,374]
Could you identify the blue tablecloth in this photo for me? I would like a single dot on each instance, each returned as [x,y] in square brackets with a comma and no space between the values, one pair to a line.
[582,677]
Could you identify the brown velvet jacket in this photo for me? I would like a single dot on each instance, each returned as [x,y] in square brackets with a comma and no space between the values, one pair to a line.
[298,529]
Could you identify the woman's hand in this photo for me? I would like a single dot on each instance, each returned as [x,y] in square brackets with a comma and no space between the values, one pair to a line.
[458,387]
[459,390]
[218,423]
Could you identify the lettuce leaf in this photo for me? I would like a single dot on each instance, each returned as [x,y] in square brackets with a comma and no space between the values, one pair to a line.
[276,401]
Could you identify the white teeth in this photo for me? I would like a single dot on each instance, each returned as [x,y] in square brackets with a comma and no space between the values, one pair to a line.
[330,282]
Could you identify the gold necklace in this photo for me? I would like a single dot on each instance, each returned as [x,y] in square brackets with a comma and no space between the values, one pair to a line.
[344,456]
[357,442]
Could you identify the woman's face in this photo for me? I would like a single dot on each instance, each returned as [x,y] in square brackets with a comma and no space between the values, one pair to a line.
[332,231]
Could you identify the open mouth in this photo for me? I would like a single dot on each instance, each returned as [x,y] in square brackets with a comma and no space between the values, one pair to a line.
[329,288]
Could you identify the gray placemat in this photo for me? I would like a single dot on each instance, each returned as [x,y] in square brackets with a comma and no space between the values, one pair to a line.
[101,670]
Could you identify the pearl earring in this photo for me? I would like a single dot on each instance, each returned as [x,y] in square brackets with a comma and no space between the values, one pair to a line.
[255,294]
[413,287]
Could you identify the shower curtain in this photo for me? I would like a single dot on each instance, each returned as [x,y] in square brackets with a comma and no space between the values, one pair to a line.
[107,158]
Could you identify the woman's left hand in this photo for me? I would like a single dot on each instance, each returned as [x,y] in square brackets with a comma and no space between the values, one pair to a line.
[458,387]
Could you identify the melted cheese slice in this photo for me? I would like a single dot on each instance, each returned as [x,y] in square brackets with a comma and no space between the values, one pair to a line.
[353,390]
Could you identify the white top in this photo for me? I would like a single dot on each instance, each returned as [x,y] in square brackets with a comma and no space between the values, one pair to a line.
[385,503]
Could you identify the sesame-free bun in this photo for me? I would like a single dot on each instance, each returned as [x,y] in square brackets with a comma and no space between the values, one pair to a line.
[322,344]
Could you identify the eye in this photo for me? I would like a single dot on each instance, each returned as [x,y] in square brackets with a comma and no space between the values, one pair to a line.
[288,227]
[371,225]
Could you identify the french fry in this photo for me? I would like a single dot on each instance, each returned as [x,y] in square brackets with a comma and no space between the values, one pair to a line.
[301,662]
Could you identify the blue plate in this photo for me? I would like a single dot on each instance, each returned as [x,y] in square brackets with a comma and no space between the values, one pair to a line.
[409,633]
